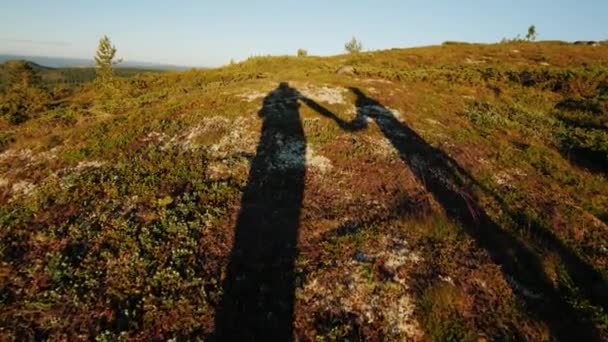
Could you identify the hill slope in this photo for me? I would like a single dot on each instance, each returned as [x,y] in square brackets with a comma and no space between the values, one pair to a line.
[450,192]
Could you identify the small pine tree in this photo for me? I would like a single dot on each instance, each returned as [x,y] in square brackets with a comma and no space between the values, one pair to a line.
[104,61]
[531,36]
[302,53]
[353,46]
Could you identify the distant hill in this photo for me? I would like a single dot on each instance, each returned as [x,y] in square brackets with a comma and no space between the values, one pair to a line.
[69,76]
[66,62]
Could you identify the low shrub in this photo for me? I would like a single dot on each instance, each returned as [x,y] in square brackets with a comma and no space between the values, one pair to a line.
[21,104]
[588,147]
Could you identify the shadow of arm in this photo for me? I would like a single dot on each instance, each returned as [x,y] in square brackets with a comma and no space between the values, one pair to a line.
[359,123]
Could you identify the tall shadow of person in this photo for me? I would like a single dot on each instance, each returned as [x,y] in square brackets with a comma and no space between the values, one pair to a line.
[258,291]
[451,186]
[258,296]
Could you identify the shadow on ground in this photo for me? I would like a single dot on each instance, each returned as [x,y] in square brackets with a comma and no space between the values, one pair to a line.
[452,188]
[258,296]
[258,291]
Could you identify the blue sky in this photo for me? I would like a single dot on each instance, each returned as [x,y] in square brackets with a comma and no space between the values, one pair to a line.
[210,33]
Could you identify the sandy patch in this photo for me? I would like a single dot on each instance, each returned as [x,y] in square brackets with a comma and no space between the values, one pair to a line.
[376,80]
[329,95]
[154,138]
[212,124]
[325,94]
[252,95]
[88,165]
[23,187]
[506,178]
[317,161]
[239,140]
[28,157]
[474,61]
[24,154]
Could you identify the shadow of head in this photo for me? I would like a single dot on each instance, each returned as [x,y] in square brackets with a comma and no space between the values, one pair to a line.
[286,91]
[357,92]
[368,107]
[362,98]
[281,101]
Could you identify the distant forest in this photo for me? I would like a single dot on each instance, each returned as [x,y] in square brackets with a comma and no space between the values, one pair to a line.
[69,76]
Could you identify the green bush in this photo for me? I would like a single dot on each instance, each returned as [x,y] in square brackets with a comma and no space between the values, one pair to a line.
[21,104]
[302,53]
[440,317]
[64,116]
[589,146]
[353,46]
[586,105]
[23,97]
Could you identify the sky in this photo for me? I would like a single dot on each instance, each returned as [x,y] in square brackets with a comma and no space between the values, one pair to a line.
[209,33]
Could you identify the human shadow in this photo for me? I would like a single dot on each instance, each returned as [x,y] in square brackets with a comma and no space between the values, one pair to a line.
[258,291]
[451,186]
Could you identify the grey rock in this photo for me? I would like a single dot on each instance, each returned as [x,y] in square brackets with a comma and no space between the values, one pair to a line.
[346,70]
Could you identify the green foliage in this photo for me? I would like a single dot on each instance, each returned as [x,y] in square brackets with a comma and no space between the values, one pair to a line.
[20,105]
[444,232]
[64,116]
[23,98]
[111,91]
[148,258]
[584,116]
[440,315]
[67,78]
[586,144]
[302,53]
[104,60]
[353,46]
[516,39]
[21,74]
[531,35]
[452,42]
